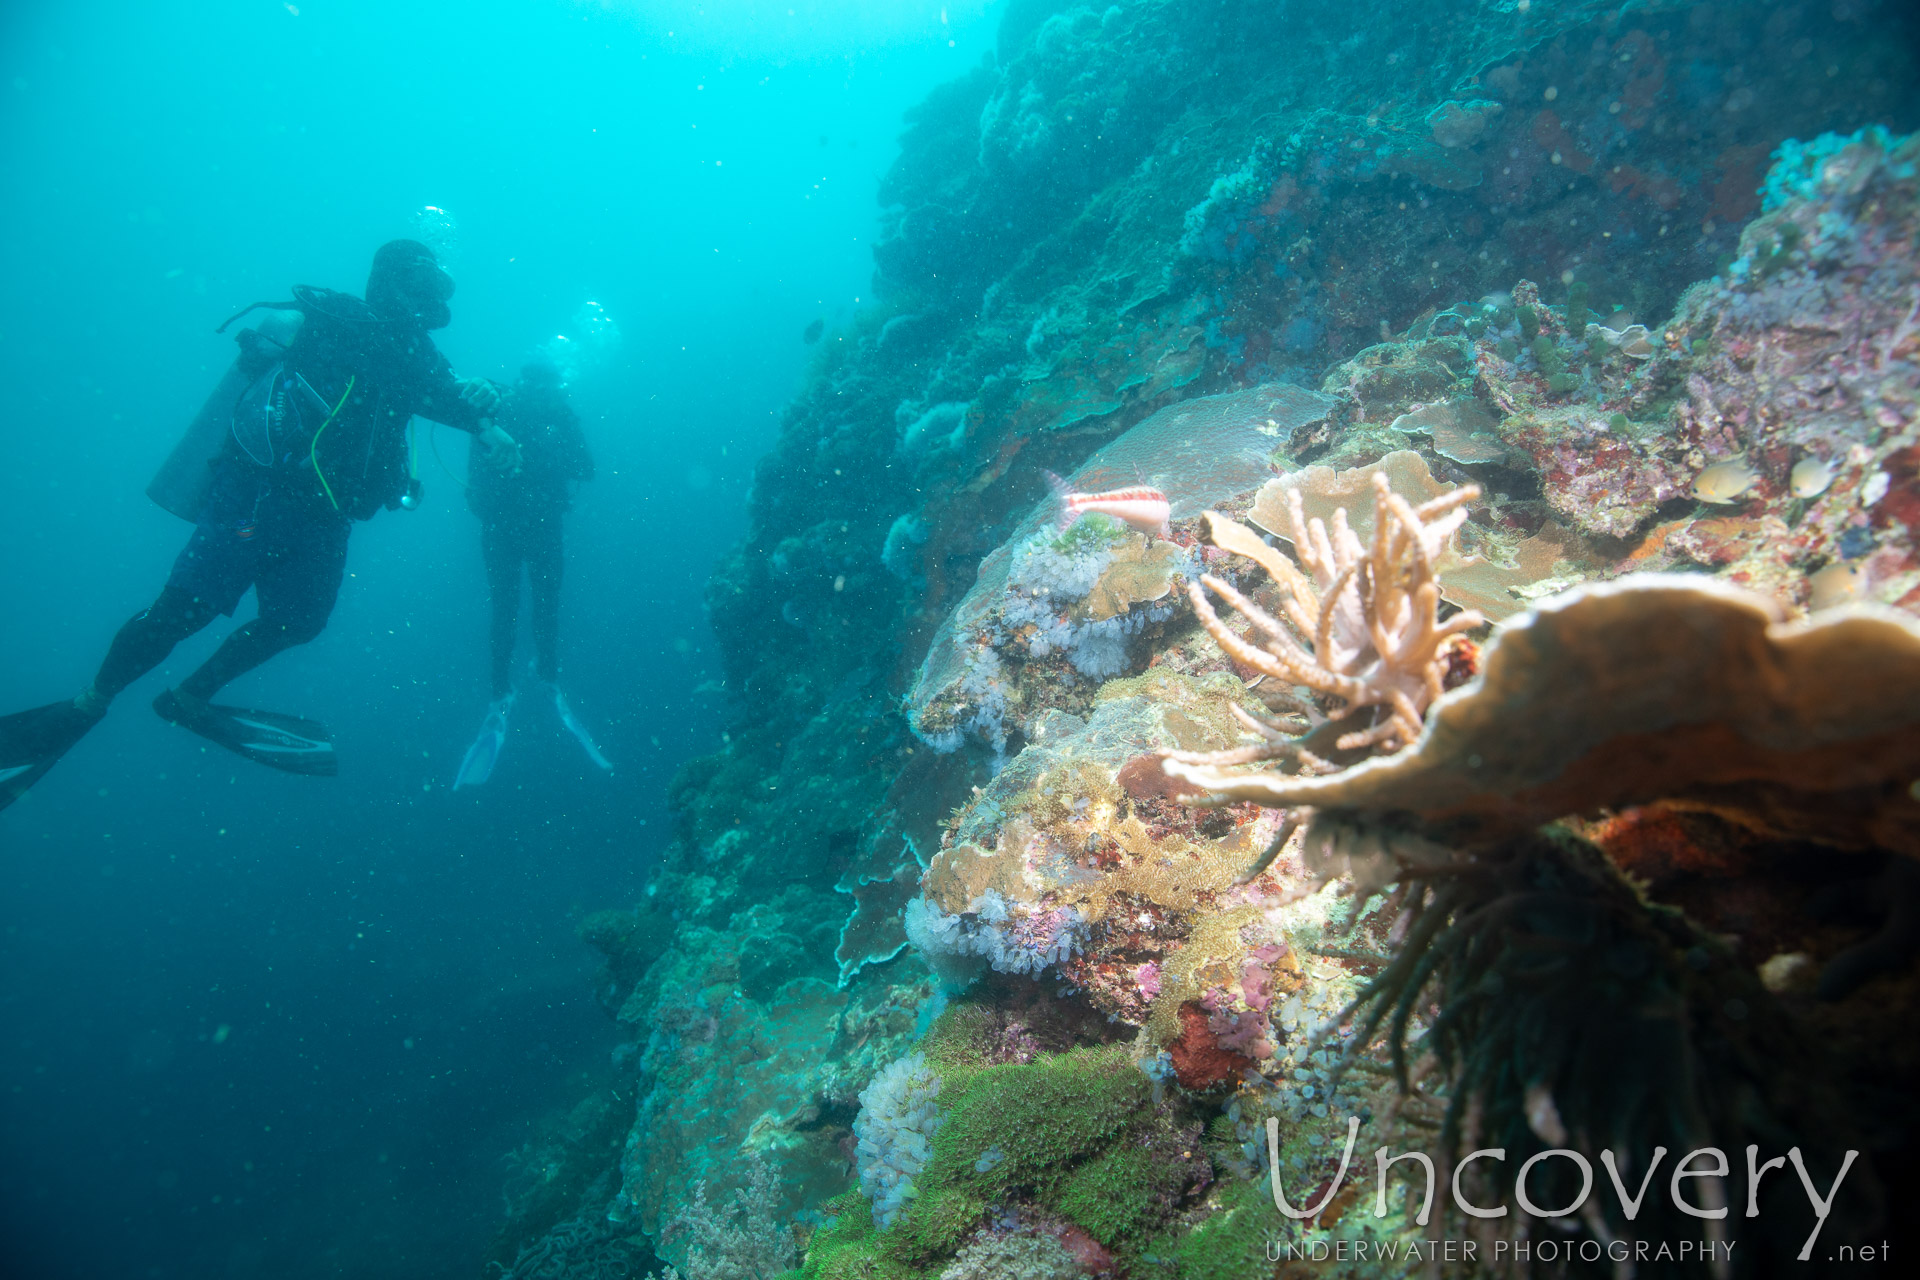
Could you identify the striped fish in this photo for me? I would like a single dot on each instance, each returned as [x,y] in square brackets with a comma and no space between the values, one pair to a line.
[1145,508]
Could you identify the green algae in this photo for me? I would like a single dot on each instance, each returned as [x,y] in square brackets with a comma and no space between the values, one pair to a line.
[933,1226]
[1042,1118]
[845,1248]
[1073,1135]
[1230,1243]
[1093,531]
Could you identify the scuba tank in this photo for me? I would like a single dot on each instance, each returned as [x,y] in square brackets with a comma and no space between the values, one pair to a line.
[237,408]
[267,412]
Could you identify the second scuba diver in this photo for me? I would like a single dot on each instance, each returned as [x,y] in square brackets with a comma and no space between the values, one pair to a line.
[520,526]
[307,433]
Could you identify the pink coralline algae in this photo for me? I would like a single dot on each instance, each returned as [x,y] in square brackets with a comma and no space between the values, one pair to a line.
[1241,1030]
[1239,1021]
[1092,1257]
[1256,976]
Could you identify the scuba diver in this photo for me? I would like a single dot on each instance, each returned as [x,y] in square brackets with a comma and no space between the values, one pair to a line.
[307,433]
[520,517]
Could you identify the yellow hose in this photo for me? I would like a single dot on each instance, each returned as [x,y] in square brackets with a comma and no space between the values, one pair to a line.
[313,450]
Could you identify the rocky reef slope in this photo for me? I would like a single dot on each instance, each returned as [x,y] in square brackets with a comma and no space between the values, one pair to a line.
[946,974]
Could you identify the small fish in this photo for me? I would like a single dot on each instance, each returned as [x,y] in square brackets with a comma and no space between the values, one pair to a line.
[1144,508]
[1725,482]
[813,331]
[1810,477]
[1837,584]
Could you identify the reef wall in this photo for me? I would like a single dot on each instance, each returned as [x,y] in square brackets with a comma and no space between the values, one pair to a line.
[937,942]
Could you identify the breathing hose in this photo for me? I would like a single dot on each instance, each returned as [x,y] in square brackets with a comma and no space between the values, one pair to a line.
[313,450]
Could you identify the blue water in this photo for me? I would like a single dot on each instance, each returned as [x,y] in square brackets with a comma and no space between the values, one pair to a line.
[262,1025]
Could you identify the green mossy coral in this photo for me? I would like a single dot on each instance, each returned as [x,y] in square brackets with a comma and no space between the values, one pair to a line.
[958,1037]
[845,1247]
[933,1226]
[1073,1136]
[1043,1118]
[1117,1194]
[1230,1243]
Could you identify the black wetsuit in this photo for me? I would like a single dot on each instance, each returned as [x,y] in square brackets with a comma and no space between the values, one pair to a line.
[520,517]
[279,510]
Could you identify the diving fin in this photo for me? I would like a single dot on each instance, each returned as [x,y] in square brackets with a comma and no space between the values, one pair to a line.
[477,767]
[578,730]
[32,742]
[267,737]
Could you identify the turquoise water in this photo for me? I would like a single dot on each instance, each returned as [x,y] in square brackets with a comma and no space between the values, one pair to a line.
[836,287]
[259,1025]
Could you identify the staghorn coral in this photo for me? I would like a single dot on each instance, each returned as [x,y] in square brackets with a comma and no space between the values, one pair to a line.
[1367,619]
[1492,568]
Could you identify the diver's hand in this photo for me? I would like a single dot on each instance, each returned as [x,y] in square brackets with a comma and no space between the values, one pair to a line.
[502,451]
[480,393]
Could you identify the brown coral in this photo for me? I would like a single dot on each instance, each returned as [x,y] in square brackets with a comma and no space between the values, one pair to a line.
[1139,572]
[1657,687]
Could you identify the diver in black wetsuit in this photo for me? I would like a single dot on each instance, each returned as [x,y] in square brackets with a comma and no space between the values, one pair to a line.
[316,437]
[520,516]
[520,527]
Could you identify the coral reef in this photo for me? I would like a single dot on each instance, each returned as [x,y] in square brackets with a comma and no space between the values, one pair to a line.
[1051,610]
[1646,279]
[1039,1154]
